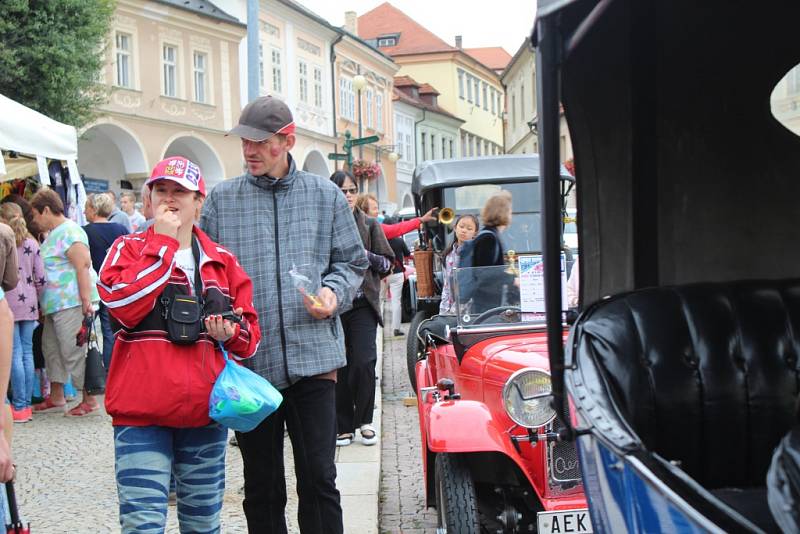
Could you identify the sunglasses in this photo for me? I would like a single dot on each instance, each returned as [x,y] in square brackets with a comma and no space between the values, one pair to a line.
[350,190]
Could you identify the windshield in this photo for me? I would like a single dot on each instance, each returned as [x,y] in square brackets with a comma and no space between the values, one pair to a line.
[524,234]
[504,294]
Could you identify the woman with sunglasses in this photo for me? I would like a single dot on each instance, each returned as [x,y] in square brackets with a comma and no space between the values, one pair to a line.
[355,384]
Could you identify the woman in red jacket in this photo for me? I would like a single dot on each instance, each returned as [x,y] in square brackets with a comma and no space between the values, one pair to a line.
[369,204]
[162,370]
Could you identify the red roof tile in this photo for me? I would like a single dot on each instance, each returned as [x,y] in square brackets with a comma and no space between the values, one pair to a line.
[388,20]
[398,95]
[427,89]
[494,57]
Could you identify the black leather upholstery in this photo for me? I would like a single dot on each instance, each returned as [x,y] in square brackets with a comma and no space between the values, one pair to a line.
[705,374]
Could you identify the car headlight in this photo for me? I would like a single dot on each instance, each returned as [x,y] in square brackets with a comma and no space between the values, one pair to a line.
[526,397]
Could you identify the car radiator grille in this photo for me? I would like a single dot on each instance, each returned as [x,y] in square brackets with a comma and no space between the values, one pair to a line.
[563,461]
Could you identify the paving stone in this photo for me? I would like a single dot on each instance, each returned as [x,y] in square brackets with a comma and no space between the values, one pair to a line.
[402,495]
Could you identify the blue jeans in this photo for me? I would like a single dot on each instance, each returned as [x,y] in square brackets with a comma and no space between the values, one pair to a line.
[145,457]
[108,335]
[22,364]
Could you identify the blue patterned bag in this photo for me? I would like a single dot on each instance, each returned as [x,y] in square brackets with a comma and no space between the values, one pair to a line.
[241,399]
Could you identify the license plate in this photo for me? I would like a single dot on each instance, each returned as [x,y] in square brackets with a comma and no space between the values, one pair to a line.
[564,522]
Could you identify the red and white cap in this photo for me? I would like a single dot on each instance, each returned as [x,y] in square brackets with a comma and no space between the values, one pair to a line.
[181,171]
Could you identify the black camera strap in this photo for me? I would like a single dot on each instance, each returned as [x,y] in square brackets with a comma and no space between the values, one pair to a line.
[198,281]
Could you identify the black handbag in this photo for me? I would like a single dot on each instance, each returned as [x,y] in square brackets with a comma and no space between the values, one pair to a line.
[94,381]
[183,313]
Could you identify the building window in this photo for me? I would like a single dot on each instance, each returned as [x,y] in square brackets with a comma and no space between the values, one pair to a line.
[522,102]
[499,109]
[347,99]
[485,96]
[494,102]
[471,140]
[433,146]
[124,45]
[318,87]
[461,84]
[302,72]
[408,154]
[387,41]
[277,71]
[370,117]
[478,147]
[469,88]
[477,92]
[463,145]
[200,77]
[379,110]
[451,155]
[169,60]
[423,138]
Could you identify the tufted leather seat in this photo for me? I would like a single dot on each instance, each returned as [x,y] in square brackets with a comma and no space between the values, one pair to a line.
[705,374]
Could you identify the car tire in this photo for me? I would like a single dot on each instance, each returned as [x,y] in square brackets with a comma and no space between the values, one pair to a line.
[413,348]
[456,502]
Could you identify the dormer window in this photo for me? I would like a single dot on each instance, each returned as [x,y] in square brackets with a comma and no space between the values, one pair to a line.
[387,40]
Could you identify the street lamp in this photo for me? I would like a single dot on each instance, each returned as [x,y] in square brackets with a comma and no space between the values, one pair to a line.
[359,83]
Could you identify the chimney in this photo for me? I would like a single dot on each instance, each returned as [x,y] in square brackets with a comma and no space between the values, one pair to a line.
[351,22]
[458,41]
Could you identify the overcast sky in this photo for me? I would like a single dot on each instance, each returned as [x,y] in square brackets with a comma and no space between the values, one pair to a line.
[482,23]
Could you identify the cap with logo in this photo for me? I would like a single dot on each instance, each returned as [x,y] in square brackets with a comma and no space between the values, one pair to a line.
[264,117]
[181,171]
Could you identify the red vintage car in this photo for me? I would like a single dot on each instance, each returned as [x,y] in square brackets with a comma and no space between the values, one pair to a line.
[493,456]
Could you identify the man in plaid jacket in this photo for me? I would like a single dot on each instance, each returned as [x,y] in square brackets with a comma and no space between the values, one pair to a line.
[275,218]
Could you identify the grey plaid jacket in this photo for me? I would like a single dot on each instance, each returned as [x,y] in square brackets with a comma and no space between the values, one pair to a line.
[271,225]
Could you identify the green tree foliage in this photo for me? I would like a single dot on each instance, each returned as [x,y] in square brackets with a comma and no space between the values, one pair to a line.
[50,54]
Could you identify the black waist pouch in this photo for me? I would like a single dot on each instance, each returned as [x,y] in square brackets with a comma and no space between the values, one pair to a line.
[183,315]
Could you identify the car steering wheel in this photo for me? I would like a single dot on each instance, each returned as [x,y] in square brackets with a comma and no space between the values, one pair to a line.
[505,311]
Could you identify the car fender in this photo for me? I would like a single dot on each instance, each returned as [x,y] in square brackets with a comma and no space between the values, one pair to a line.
[464,426]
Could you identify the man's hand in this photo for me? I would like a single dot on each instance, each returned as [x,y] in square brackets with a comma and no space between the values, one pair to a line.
[167,222]
[323,305]
[428,217]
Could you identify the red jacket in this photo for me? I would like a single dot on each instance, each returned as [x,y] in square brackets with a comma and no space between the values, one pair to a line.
[396,230]
[153,381]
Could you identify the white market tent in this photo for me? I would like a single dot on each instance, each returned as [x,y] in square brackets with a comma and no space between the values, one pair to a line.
[26,131]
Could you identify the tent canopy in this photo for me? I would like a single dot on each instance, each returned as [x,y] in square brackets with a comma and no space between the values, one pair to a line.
[29,132]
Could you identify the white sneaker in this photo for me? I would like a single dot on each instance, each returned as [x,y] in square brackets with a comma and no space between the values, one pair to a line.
[371,437]
[343,440]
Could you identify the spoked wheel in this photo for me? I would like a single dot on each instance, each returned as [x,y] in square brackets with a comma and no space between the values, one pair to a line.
[456,504]
[413,348]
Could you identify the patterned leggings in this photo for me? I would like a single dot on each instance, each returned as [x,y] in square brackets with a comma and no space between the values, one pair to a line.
[145,457]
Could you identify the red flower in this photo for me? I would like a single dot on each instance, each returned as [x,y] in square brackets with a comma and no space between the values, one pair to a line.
[365,170]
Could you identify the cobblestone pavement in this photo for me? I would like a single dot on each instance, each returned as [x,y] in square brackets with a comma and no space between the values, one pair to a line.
[66,478]
[402,496]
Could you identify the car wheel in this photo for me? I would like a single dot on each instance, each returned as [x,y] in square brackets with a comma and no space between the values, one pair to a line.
[456,503]
[413,348]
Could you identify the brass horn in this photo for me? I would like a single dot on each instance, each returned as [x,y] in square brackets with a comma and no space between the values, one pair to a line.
[446,216]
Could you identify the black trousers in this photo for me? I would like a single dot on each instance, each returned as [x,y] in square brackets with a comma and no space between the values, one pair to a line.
[308,410]
[355,384]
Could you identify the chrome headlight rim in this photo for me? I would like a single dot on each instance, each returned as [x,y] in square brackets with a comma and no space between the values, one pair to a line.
[506,390]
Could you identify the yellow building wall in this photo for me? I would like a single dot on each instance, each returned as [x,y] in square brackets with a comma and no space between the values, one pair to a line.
[443,76]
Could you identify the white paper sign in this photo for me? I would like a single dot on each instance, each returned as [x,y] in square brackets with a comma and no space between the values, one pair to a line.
[531,283]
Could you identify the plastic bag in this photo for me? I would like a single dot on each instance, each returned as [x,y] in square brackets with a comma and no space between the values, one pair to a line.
[306,280]
[241,399]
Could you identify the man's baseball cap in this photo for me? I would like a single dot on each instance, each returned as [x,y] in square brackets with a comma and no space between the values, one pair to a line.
[181,171]
[264,117]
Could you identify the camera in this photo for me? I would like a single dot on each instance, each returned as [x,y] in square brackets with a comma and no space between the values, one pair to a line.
[227,315]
